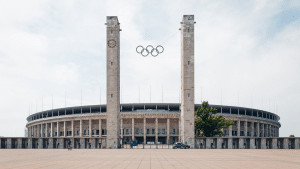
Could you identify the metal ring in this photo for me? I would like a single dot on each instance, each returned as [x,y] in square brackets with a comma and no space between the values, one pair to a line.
[150,50]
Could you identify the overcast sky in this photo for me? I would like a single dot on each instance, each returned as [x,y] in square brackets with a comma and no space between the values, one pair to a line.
[249,50]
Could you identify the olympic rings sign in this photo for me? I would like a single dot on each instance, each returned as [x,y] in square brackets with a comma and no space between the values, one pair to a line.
[149,49]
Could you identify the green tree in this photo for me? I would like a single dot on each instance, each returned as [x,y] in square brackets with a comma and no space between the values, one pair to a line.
[209,125]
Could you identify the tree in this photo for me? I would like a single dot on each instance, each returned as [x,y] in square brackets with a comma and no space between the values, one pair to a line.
[209,125]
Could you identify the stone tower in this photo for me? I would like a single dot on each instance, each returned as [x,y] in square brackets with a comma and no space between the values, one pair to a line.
[187,128]
[113,81]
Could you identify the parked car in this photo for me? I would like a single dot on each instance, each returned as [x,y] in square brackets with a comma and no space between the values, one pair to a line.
[180,145]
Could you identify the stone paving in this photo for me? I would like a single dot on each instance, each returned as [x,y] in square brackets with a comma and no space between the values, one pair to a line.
[148,158]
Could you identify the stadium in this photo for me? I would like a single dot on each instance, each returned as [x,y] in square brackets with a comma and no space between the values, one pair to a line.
[114,125]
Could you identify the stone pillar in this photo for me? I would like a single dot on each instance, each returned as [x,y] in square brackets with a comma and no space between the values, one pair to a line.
[187,130]
[156,130]
[51,130]
[29,141]
[168,130]
[40,141]
[229,143]
[82,143]
[252,143]
[42,128]
[285,143]
[238,128]
[208,143]
[93,143]
[72,142]
[90,128]
[257,128]
[230,131]
[132,128]
[100,128]
[46,129]
[80,130]
[65,126]
[219,143]
[241,143]
[145,131]
[50,141]
[113,81]
[38,130]
[267,130]
[19,143]
[274,143]
[121,128]
[72,128]
[8,143]
[252,129]
[263,130]
[61,143]
[297,142]
[263,143]
[57,129]
[245,128]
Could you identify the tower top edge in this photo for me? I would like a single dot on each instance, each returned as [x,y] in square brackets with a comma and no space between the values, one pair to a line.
[187,18]
[112,18]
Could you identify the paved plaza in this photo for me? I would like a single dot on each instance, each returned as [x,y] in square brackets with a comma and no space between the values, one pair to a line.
[149,158]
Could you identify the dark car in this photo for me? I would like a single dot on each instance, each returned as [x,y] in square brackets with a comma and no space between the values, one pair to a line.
[180,145]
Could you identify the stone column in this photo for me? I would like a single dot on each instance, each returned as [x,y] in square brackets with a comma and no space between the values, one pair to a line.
[40,141]
[29,141]
[51,130]
[93,143]
[230,131]
[121,128]
[82,143]
[72,142]
[297,141]
[168,130]
[38,130]
[241,143]
[57,129]
[285,143]
[72,129]
[19,143]
[8,143]
[46,129]
[238,128]
[229,143]
[65,129]
[263,143]
[145,131]
[42,128]
[90,128]
[100,128]
[263,130]
[252,129]
[132,128]
[156,130]
[61,143]
[219,143]
[267,130]
[257,128]
[274,143]
[208,143]
[50,143]
[80,130]
[245,128]
[252,143]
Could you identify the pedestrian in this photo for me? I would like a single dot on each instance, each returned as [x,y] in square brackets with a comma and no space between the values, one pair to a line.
[69,145]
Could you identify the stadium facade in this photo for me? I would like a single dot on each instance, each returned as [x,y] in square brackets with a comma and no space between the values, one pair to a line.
[113,125]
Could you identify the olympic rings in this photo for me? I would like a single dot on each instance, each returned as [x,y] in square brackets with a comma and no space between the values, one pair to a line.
[145,51]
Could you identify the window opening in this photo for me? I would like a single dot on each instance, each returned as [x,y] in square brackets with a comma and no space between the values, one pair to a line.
[188,62]
[111,31]
[188,95]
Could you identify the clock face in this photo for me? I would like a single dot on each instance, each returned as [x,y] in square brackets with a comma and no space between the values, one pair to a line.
[111,43]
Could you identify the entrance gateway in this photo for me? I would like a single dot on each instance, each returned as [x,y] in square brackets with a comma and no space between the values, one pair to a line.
[186,124]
